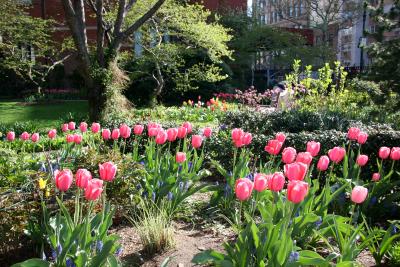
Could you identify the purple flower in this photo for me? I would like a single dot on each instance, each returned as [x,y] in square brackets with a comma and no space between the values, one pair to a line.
[170,196]
[118,252]
[99,245]
[294,256]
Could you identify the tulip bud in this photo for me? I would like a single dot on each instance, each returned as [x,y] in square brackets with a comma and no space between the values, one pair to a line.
[237,134]
[83,127]
[296,171]
[10,136]
[376,177]
[304,157]
[71,125]
[106,134]
[95,127]
[52,133]
[281,137]
[138,129]
[35,137]
[70,138]
[362,138]
[276,182]
[188,126]
[323,163]
[297,191]
[207,132]
[395,153]
[247,138]
[182,132]
[273,147]
[288,155]
[107,171]
[243,188]
[172,134]
[260,182]
[313,148]
[82,177]
[196,141]
[362,160]
[25,136]
[93,189]
[115,134]
[63,179]
[64,127]
[161,137]
[359,194]
[337,154]
[353,132]
[125,131]
[180,157]
[77,139]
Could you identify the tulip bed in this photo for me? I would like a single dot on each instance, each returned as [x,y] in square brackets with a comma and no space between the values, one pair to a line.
[286,207]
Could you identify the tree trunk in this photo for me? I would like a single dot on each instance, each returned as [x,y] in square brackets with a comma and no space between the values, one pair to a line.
[96,99]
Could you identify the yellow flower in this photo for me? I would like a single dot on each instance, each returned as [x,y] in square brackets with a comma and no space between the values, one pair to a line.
[42,183]
[47,194]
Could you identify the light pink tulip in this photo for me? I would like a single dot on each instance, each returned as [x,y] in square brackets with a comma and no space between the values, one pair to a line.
[237,134]
[115,134]
[362,138]
[153,131]
[52,133]
[276,182]
[182,132]
[82,177]
[106,134]
[323,163]
[63,179]
[273,147]
[125,131]
[25,136]
[353,132]
[395,153]
[207,132]
[247,138]
[288,155]
[188,126]
[238,143]
[313,148]
[376,177]
[83,127]
[384,152]
[260,182]
[107,171]
[362,160]
[297,191]
[138,129]
[161,137]
[35,137]
[180,157]
[304,157]
[95,127]
[64,127]
[359,194]
[281,137]
[243,188]
[94,189]
[172,134]
[78,139]
[71,125]
[10,136]
[196,141]
[336,154]
[295,171]
[70,138]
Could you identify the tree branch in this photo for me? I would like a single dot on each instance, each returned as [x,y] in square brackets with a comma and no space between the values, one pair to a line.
[100,32]
[120,17]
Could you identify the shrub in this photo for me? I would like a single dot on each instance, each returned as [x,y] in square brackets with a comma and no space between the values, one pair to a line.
[395,255]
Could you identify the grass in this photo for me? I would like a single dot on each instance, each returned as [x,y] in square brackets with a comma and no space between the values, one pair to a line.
[46,114]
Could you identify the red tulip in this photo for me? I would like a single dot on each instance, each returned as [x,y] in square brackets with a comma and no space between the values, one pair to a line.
[180,157]
[10,136]
[362,138]
[281,137]
[52,133]
[71,125]
[77,139]
[107,171]
[376,177]
[138,129]
[323,163]
[247,138]
[63,179]
[295,171]
[70,138]
[288,155]
[207,132]
[384,152]
[196,141]
[64,127]
[353,132]
[188,126]
[106,134]
[359,194]
[304,157]
[161,137]
[115,134]
[237,134]
[172,134]
[243,188]
[35,137]
[297,191]
[276,182]
[93,189]
[260,182]
[82,177]
[273,147]
[362,160]
[395,153]
[95,127]
[337,154]
[25,136]
[182,132]
[313,148]
[83,127]
[125,131]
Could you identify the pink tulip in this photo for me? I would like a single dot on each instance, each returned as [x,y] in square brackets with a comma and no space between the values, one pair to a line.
[115,134]
[238,143]
[161,137]
[384,152]
[125,131]
[376,177]
[106,134]
[273,147]
[83,127]
[359,194]
[237,134]
[243,188]
[71,125]
[323,163]
[82,177]
[362,138]
[63,179]
[297,191]
[52,133]
[180,157]
[70,138]
[395,153]
[196,141]
[276,182]
[93,189]
[95,127]
[260,182]
[77,139]
[362,160]
[207,132]
[295,171]
[313,148]
[247,138]
[25,136]
[64,127]
[281,137]
[182,132]
[337,154]
[153,131]
[107,171]
[188,126]
[172,134]
[288,155]
[138,129]
[35,137]
[353,132]
[10,136]
[304,157]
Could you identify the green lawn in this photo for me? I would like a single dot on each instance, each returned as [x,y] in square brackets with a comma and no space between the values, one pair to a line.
[45,115]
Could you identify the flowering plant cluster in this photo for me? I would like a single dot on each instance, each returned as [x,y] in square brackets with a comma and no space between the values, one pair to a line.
[248,97]
[212,104]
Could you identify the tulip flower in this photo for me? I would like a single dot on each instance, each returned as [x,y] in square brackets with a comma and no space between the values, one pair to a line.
[323,163]
[243,188]
[64,127]
[93,189]
[207,132]
[71,125]
[337,154]
[52,133]
[180,157]
[172,134]
[77,139]
[161,137]
[362,160]
[196,141]
[238,143]
[395,153]
[359,194]
[106,134]
[384,152]
[182,132]
[304,157]
[25,136]
[63,179]
[313,148]
[237,134]
[295,171]
[281,137]
[153,131]
[10,136]
[35,137]
[276,182]
[273,147]
[70,138]
[260,182]
[362,138]
[247,138]
[107,171]
[138,129]
[288,155]
[125,131]
[115,134]
[297,191]
[82,177]
[188,126]
[83,127]
[353,132]
[376,177]
[95,128]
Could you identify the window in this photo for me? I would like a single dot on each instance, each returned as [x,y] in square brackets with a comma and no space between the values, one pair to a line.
[295,9]
[301,11]
[291,11]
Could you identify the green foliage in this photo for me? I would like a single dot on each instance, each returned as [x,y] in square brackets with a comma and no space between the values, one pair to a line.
[395,255]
